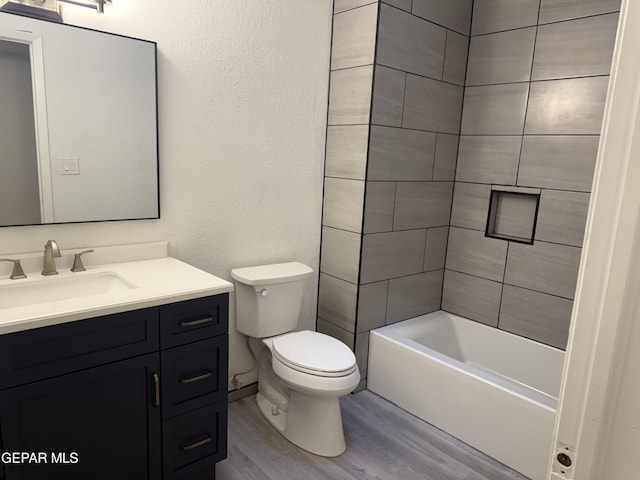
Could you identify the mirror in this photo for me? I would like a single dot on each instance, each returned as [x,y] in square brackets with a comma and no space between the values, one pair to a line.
[78,124]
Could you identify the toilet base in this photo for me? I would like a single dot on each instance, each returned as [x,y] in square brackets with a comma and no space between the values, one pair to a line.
[312,423]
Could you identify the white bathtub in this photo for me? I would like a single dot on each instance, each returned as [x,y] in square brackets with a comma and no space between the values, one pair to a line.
[491,389]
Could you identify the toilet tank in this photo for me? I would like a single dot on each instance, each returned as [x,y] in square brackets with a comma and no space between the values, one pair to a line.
[269,297]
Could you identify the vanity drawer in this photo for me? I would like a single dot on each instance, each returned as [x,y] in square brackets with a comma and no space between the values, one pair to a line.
[193,320]
[50,351]
[194,442]
[194,375]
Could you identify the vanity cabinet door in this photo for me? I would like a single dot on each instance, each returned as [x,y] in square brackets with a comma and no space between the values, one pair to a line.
[193,443]
[194,375]
[193,320]
[98,424]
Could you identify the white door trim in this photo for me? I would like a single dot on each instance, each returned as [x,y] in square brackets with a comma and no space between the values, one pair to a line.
[604,304]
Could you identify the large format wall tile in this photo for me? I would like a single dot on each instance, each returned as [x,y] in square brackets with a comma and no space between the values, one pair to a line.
[388,96]
[414,295]
[560,162]
[401,4]
[444,167]
[469,251]
[337,301]
[577,48]
[408,43]
[432,105]
[562,217]
[350,96]
[452,14]
[343,5]
[543,267]
[346,155]
[455,60]
[488,159]
[340,254]
[470,205]
[372,306]
[566,107]
[422,205]
[378,209]
[557,10]
[343,204]
[400,154]
[354,37]
[494,109]
[471,297]
[391,255]
[435,251]
[498,15]
[333,330]
[535,315]
[501,57]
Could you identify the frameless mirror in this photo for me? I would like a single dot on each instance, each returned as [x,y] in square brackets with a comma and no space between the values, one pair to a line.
[78,124]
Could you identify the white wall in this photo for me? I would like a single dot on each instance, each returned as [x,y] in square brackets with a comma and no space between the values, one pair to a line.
[243,89]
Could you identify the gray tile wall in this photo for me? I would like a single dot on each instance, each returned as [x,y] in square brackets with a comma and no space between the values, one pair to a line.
[419,76]
[344,216]
[392,144]
[536,85]
[409,171]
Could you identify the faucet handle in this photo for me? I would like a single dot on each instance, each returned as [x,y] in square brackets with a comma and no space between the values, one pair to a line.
[17,272]
[77,262]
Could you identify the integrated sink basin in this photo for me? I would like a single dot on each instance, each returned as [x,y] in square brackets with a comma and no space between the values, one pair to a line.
[21,293]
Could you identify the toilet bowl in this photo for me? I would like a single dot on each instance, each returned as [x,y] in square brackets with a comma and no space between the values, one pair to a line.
[301,374]
[310,417]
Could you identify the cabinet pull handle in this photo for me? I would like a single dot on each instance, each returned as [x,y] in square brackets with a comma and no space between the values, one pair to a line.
[156,382]
[196,444]
[200,321]
[197,378]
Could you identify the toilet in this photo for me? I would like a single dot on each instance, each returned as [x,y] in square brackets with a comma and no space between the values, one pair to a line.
[302,374]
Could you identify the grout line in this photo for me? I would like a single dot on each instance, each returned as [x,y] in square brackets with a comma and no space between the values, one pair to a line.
[324,167]
[555,22]
[526,110]
[509,284]
[541,80]
[366,173]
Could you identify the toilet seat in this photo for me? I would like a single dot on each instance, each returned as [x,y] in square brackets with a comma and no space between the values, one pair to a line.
[315,354]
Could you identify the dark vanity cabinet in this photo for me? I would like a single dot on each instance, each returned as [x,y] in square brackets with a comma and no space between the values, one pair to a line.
[129,396]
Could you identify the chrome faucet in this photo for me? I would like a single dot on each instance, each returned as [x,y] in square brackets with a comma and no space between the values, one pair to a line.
[51,251]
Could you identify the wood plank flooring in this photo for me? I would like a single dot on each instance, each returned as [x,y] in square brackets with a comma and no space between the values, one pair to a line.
[383,443]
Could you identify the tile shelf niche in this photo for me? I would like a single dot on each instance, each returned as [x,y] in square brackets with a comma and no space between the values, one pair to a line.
[512,213]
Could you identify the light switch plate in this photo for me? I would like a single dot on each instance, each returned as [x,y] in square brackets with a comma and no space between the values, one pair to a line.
[70,166]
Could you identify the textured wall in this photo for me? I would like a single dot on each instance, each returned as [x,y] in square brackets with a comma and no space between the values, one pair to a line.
[535,92]
[242,107]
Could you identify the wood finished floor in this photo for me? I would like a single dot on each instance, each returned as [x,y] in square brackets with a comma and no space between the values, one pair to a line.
[383,443]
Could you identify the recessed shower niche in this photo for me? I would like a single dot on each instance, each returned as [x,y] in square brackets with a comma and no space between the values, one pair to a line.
[512,213]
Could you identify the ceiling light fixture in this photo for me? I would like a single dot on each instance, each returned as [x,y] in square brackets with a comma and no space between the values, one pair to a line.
[97,5]
[48,9]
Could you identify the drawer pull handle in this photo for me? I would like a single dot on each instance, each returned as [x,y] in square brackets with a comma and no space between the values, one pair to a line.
[197,378]
[156,382]
[196,444]
[200,321]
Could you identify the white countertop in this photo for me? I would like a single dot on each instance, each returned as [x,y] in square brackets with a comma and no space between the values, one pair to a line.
[157,281]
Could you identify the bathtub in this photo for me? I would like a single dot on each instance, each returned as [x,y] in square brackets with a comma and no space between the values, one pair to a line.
[493,390]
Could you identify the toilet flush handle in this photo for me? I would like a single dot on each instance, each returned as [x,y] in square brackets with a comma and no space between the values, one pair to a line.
[263,293]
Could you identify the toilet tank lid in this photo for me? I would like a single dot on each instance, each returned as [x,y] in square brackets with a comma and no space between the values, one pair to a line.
[268,274]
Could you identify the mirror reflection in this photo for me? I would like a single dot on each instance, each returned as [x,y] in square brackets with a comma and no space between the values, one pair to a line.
[78,124]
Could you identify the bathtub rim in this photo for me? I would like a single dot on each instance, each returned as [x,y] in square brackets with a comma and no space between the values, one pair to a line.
[528,393]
